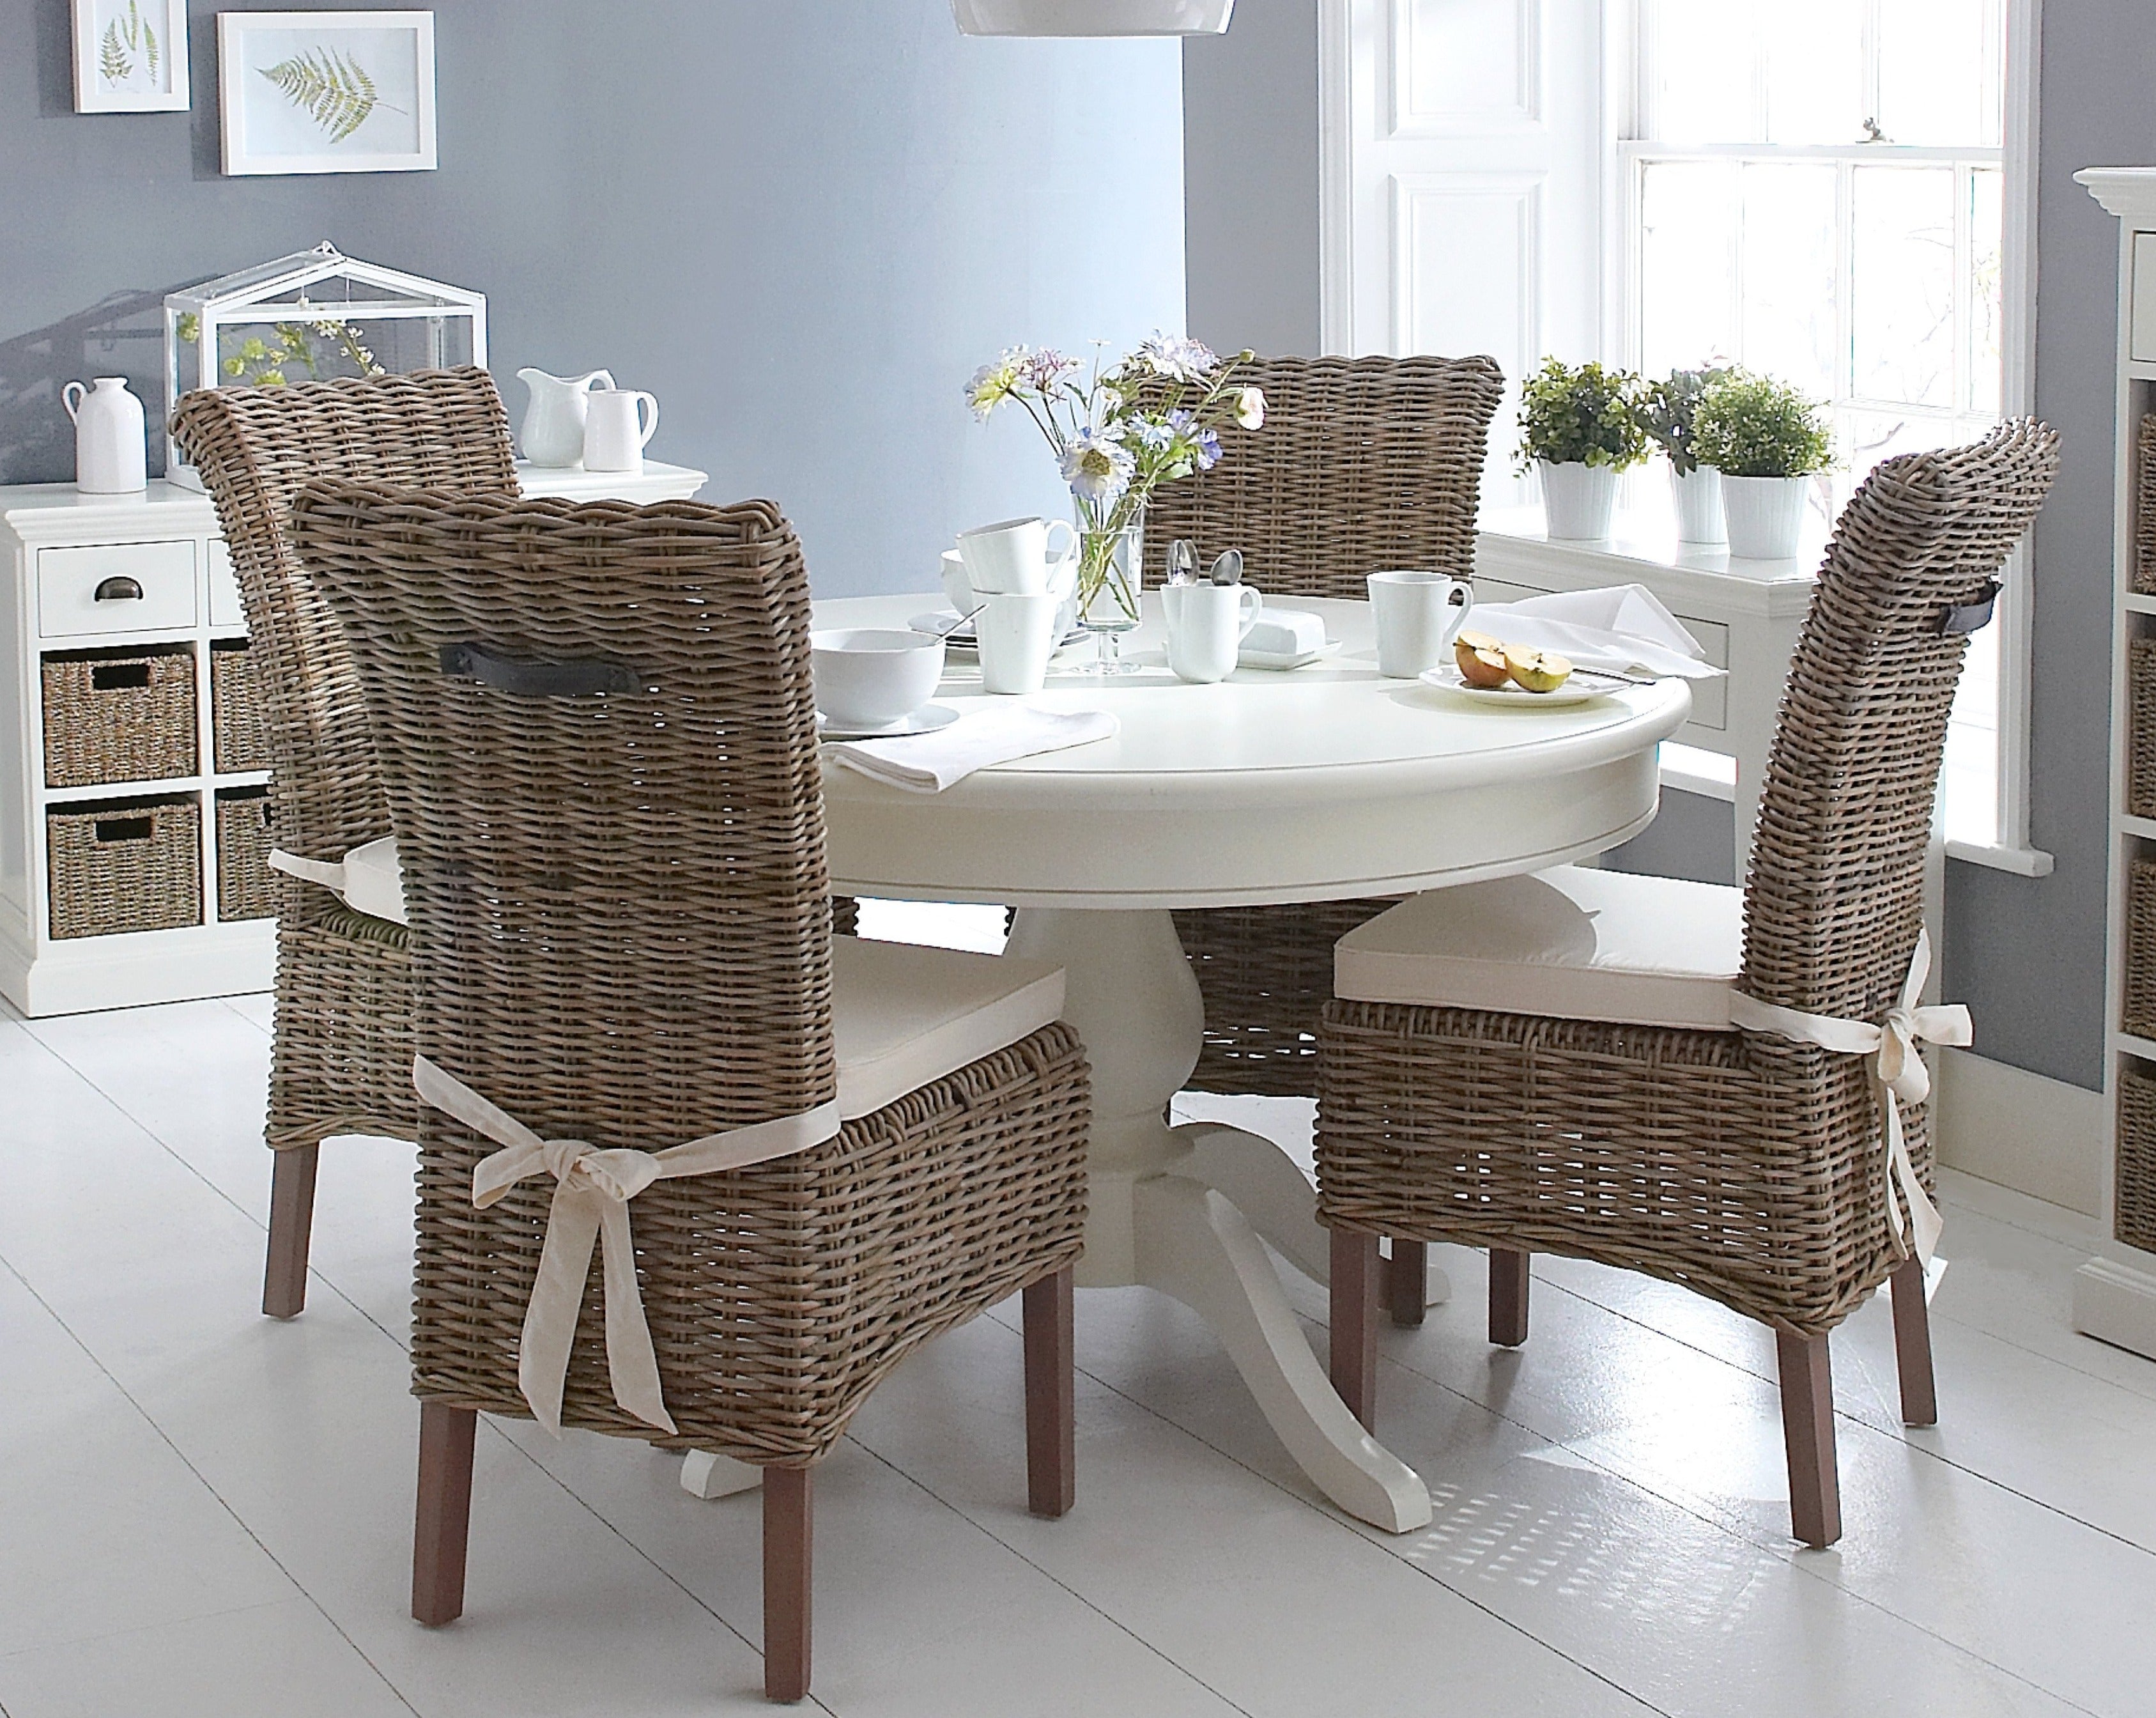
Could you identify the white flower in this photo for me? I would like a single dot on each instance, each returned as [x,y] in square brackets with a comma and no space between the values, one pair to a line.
[1250,408]
[991,383]
[1178,357]
[1096,468]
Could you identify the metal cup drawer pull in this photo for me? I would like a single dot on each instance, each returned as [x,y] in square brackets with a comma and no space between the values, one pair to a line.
[118,588]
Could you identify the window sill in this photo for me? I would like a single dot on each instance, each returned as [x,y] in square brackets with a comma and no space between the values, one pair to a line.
[1993,856]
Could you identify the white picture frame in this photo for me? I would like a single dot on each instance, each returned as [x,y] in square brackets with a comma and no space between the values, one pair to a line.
[131,56]
[326,92]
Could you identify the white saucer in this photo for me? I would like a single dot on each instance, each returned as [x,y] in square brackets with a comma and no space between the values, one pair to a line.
[963,638]
[1279,660]
[927,719]
[1447,678]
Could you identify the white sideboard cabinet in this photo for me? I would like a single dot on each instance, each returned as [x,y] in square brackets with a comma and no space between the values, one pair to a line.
[133,788]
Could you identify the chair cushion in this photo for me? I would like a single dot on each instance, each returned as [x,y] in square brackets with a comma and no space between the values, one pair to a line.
[1571,942]
[374,881]
[904,1015]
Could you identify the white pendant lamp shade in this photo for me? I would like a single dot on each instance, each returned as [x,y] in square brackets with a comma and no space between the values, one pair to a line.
[1093,17]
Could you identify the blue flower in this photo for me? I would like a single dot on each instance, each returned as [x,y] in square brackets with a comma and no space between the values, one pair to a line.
[1205,445]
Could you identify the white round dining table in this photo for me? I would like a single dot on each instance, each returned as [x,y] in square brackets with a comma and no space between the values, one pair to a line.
[1326,782]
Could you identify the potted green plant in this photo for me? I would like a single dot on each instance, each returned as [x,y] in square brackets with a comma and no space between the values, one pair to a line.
[1670,411]
[1768,441]
[1579,428]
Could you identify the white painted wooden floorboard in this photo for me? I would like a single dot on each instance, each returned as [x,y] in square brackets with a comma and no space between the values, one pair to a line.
[205,1511]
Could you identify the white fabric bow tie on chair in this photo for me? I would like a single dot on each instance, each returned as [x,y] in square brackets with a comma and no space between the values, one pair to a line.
[1898,1071]
[591,1192]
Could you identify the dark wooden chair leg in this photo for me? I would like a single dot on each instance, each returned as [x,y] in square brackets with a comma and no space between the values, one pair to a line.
[1808,1430]
[1051,1402]
[443,1525]
[1407,1283]
[1355,1321]
[291,1225]
[1508,1296]
[1912,1346]
[788,1536]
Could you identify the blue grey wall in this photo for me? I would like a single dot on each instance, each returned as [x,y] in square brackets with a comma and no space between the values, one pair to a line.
[801,223]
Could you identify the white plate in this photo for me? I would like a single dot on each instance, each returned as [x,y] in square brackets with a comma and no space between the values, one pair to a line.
[963,638]
[1447,679]
[1283,660]
[929,718]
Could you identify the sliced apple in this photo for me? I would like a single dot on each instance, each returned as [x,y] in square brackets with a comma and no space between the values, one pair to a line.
[1535,670]
[1476,641]
[1481,664]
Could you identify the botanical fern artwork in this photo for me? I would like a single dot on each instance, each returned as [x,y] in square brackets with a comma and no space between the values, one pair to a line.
[128,42]
[331,87]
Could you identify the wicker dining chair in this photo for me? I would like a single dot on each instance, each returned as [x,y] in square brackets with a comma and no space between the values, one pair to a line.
[1613,1067]
[597,734]
[1362,463]
[341,1055]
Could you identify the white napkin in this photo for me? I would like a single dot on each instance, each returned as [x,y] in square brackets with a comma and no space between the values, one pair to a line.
[991,732]
[1620,627]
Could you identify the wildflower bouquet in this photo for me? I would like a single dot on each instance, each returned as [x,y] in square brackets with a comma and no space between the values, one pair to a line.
[1148,418]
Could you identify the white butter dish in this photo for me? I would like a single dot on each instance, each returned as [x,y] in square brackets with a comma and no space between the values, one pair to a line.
[1284,632]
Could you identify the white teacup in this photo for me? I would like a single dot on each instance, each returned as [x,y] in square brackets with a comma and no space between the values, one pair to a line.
[618,424]
[1206,626]
[1017,631]
[1012,555]
[1063,582]
[1416,615]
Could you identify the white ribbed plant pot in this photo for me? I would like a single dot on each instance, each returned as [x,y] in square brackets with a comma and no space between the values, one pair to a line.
[1765,516]
[1577,499]
[1698,496]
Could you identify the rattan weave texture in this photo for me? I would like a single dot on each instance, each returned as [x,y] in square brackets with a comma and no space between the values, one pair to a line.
[245,884]
[2133,1195]
[1363,463]
[2141,728]
[620,934]
[2144,509]
[342,1059]
[124,865]
[239,721]
[1739,1164]
[119,715]
[2137,1010]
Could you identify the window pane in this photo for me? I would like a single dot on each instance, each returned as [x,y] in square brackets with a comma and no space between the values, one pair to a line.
[1987,311]
[1687,264]
[1939,79]
[1903,254]
[1788,278]
[1704,85]
[1816,73]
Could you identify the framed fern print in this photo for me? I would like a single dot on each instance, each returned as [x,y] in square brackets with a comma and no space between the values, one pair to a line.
[326,92]
[131,56]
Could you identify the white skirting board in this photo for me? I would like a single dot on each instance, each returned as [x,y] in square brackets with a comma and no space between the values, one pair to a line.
[2037,1135]
[2115,1298]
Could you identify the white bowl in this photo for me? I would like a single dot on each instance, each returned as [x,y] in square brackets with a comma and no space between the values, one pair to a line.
[868,675]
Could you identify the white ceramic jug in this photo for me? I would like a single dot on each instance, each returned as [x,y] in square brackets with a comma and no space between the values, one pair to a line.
[110,457]
[553,431]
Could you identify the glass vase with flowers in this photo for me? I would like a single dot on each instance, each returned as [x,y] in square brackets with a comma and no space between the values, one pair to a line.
[1149,417]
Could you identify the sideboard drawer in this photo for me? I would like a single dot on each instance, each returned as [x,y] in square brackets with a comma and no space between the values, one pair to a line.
[224,608]
[148,587]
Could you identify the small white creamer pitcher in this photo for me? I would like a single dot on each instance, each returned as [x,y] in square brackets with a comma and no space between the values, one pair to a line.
[1206,626]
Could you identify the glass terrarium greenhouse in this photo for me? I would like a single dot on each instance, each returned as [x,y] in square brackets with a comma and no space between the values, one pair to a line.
[316,313]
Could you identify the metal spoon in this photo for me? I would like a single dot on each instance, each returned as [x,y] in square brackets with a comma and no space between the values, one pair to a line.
[1228,569]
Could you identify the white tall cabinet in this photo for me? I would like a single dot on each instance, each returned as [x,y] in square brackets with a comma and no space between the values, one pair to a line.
[104,588]
[2115,1292]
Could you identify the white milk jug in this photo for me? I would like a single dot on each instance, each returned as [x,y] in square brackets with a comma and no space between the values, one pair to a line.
[554,432]
[110,457]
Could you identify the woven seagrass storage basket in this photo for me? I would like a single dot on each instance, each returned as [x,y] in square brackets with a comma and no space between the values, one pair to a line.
[2144,509]
[119,715]
[244,889]
[2136,1006]
[2141,728]
[239,722]
[2134,1214]
[124,865]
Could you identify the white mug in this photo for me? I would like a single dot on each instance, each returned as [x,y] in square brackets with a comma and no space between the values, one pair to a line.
[958,587]
[1012,555]
[1206,626]
[616,429]
[1416,615]
[1018,636]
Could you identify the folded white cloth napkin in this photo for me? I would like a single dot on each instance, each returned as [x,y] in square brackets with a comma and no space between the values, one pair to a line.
[993,732]
[1621,627]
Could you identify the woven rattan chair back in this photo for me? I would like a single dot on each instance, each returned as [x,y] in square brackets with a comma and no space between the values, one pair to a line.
[619,929]
[254,447]
[1835,893]
[1362,463]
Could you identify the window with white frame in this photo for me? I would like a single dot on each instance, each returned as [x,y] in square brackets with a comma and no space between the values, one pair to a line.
[1816,192]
